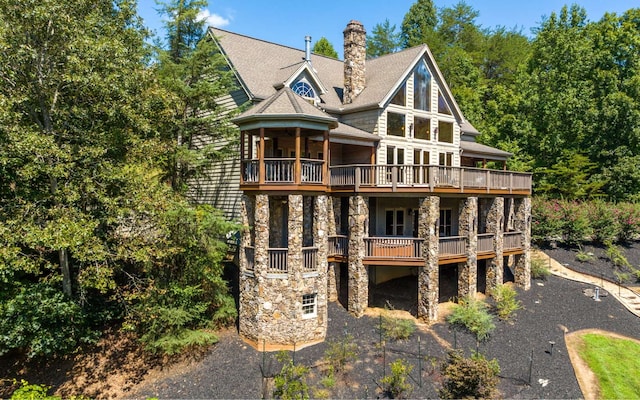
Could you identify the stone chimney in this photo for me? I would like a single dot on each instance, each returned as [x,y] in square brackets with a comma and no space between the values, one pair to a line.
[355,52]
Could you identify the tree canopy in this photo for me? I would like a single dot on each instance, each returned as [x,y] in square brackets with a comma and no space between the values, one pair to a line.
[324,47]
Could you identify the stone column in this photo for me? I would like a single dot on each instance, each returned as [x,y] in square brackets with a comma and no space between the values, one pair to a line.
[250,292]
[320,241]
[358,274]
[295,228]
[522,223]
[246,216]
[428,283]
[494,223]
[468,228]
[333,273]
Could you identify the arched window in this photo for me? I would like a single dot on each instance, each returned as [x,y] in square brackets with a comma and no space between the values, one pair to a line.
[303,89]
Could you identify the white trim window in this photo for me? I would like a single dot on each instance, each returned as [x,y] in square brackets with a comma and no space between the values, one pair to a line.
[309,305]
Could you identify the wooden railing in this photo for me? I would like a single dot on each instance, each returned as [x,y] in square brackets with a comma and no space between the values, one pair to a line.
[431,176]
[249,253]
[338,245]
[512,240]
[310,259]
[452,246]
[485,242]
[393,247]
[277,261]
[282,170]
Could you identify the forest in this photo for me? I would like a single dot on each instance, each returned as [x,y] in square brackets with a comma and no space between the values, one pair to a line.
[96,127]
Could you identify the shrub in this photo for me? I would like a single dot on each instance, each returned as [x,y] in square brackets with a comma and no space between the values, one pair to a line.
[472,314]
[547,220]
[31,391]
[577,227]
[506,302]
[583,256]
[395,384]
[604,221]
[291,381]
[395,328]
[629,221]
[474,377]
[617,257]
[340,352]
[41,321]
[539,269]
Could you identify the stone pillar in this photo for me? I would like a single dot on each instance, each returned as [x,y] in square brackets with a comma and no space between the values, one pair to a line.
[428,283]
[250,291]
[247,215]
[333,281]
[358,274]
[295,228]
[319,283]
[522,223]
[468,228]
[494,223]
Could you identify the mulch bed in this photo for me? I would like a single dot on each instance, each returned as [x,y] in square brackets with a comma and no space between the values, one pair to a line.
[599,265]
[529,369]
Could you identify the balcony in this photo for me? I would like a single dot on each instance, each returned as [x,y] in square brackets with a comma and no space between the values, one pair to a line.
[364,177]
[283,171]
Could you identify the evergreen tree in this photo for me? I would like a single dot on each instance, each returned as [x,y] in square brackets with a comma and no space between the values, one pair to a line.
[384,40]
[418,24]
[325,48]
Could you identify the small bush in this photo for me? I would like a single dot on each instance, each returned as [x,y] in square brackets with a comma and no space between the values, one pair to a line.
[577,225]
[396,385]
[547,220]
[31,391]
[506,302]
[339,353]
[474,377]
[396,328]
[291,381]
[539,269]
[616,255]
[583,256]
[472,314]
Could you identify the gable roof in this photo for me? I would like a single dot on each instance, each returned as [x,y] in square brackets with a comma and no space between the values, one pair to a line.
[263,67]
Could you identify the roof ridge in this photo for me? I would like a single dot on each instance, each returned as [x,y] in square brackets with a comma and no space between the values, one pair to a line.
[293,100]
[266,103]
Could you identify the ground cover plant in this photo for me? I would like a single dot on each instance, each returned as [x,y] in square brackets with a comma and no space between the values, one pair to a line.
[472,315]
[615,363]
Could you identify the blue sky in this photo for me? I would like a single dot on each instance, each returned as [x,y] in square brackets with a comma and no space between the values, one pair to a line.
[288,22]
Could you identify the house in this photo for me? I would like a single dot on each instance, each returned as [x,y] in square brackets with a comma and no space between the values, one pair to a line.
[354,173]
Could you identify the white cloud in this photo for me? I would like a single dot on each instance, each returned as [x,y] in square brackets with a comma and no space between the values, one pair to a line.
[215,20]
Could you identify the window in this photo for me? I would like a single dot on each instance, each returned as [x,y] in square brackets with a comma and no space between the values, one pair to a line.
[444,227]
[422,128]
[446,159]
[395,124]
[400,97]
[421,87]
[443,107]
[303,89]
[420,172]
[394,222]
[445,132]
[395,156]
[309,306]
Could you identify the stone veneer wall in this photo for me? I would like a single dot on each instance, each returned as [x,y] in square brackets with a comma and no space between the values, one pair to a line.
[271,304]
[494,222]
[522,223]
[428,282]
[468,228]
[358,274]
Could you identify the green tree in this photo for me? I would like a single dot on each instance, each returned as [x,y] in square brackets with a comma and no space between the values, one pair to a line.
[323,46]
[384,40]
[196,76]
[418,24]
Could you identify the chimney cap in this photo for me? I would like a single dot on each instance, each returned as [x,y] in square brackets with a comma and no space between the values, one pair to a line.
[354,25]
